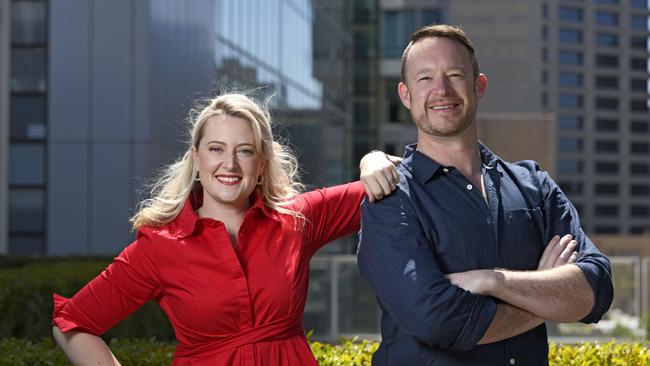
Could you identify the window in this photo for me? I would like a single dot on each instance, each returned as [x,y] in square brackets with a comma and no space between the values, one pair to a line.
[569,166]
[570,36]
[570,58]
[639,22]
[606,60]
[639,43]
[26,210]
[28,22]
[639,63]
[27,117]
[607,82]
[398,25]
[606,146]
[570,101]
[570,123]
[606,103]
[640,190]
[638,230]
[638,105]
[607,189]
[640,169]
[26,164]
[606,18]
[607,2]
[606,229]
[640,4]
[639,211]
[570,14]
[570,79]
[639,85]
[639,148]
[28,69]
[571,188]
[606,210]
[570,145]
[606,40]
[606,125]
[639,127]
[606,167]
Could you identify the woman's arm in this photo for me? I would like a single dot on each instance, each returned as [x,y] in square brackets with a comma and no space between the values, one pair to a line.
[84,348]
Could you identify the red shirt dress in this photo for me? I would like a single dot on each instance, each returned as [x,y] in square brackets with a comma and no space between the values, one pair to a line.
[228,306]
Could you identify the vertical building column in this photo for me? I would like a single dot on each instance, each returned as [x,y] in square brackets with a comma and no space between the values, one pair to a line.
[5,30]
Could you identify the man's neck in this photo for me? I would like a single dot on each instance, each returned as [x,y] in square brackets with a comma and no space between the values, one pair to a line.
[461,152]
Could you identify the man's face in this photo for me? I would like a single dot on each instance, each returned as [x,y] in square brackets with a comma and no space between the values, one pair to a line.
[440,88]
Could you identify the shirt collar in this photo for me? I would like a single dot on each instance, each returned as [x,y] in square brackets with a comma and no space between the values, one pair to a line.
[185,222]
[424,168]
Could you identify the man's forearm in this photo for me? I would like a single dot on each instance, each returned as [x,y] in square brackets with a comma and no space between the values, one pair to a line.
[560,294]
[509,321]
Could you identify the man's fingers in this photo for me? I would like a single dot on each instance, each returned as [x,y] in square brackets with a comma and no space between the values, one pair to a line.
[545,261]
[569,249]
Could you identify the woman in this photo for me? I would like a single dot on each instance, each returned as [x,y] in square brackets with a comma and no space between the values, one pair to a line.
[223,246]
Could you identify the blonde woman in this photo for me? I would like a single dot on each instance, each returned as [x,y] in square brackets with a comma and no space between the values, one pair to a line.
[223,246]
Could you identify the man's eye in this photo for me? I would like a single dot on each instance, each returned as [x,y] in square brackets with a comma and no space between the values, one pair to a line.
[424,78]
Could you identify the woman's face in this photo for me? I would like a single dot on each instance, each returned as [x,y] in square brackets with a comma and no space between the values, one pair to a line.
[228,162]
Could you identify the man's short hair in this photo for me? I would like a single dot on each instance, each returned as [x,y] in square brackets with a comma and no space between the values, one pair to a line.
[441,31]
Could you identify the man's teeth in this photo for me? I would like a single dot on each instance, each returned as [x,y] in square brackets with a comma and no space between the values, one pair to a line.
[441,107]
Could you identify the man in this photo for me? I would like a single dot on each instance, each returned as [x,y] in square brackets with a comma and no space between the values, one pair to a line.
[433,250]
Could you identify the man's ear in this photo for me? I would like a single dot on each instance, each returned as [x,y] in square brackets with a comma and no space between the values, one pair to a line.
[404,94]
[481,84]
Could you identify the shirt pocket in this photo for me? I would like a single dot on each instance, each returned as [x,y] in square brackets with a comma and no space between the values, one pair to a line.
[522,242]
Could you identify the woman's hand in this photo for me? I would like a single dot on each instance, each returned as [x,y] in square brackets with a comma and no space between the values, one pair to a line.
[379,174]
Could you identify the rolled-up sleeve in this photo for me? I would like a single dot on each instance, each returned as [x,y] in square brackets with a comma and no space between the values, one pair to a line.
[400,265]
[561,218]
[125,285]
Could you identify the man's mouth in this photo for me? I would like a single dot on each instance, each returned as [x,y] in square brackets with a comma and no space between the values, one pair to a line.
[443,107]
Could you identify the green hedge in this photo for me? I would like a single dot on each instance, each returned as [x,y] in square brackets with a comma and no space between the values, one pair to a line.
[27,285]
[141,352]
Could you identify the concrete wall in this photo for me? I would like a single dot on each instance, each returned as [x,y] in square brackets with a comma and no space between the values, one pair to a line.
[122,75]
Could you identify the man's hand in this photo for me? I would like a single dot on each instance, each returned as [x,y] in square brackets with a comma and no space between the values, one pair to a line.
[378,174]
[559,251]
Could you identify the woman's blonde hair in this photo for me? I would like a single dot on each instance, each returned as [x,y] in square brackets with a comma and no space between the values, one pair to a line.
[173,186]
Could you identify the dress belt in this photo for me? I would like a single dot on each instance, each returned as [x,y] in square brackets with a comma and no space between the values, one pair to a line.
[276,330]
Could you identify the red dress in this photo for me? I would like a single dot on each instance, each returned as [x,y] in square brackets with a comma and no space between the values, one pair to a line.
[228,306]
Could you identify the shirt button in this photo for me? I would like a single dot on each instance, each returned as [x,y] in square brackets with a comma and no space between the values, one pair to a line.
[512,361]
[469,187]
[446,170]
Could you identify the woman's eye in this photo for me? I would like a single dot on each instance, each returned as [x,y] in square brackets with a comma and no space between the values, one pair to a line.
[215,148]
[246,151]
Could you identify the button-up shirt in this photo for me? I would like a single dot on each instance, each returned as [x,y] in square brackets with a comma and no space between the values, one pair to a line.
[438,223]
[228,305]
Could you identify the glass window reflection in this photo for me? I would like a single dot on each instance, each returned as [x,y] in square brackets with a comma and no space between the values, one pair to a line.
[26,164]
[27,117]
[28,70]
[26,210]
[28,22]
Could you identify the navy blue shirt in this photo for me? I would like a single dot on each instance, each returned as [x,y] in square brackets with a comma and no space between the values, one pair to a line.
[437,223]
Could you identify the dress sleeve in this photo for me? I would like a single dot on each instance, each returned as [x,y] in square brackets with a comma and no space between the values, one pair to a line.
[331,213]
[400,265]
[124,286]
[561,218]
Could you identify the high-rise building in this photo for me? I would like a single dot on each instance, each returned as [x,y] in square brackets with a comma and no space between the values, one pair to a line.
[97,96]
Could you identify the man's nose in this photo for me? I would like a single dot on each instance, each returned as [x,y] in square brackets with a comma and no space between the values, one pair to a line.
[441,86]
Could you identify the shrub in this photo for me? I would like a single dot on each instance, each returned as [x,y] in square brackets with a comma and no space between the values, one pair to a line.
[26,288]
[351,352]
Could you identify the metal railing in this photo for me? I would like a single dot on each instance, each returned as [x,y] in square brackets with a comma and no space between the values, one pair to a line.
[340,304]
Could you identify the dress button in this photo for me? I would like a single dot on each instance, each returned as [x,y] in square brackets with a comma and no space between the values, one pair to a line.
[469,187]
[512,361]
[446,170]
